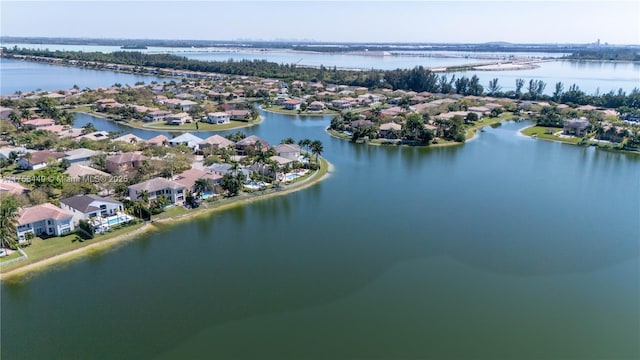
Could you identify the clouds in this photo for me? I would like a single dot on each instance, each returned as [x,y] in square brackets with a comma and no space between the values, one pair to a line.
[381,21]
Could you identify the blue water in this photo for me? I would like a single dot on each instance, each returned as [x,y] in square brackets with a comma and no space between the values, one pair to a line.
[290,177]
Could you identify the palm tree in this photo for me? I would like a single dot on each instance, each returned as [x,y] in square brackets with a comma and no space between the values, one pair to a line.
[317,148]
[15,119]
[144,196]
[288,140]
[26,114]
[8,222]
[201,186]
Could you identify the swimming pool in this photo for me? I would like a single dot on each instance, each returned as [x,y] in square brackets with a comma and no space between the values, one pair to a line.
[292,176]
[114,220]
[206,196]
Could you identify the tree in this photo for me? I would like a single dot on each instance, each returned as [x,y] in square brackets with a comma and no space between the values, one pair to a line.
[201,186]
[493,87]
[26,114]
[8,222]
[317,148]
[288,140]
[557,94]
[89,128]
[99,161]
[232,183]
[413,127]
[14,119]
[305,143]
[519,85]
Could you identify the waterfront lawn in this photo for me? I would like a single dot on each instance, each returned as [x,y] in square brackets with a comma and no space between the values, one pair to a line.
[170,212]
[281,110]
[41,249]
[82,109]
[542,132]
[202,126]
[14,255]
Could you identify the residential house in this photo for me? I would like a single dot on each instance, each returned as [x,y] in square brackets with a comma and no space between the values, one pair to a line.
[288,151]
[79,171]
[189,177]
[80,156]
[239,114]
[43,220]
[130,139]
[155,116]
[11,187]
[156,187]
[215,143]
[88,207]
[104,104]
[291,104]
[316,106]
[251,144]
[39,123]
[5,152]
[159,140]
[95,136]
[223,169]
[390,130]
[183,105]
[218,118]
[576,127]
[39,159]
[187,139]
[178,119]
[125,162]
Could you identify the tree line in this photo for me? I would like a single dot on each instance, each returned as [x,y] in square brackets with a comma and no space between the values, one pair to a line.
[418,79]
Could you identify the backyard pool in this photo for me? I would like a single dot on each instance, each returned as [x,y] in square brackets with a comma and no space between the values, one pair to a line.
[292,176]
[205,196]
[117,219]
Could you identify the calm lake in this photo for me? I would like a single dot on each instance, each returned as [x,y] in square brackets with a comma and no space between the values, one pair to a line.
[504,248]
[590,76]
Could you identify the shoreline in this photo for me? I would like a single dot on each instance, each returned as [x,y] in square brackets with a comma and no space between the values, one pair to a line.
[588,144]
[289,114]
[470,135]
[125,123]
[27,270]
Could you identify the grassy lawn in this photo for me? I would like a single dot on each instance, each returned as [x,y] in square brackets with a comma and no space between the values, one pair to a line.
[42,249]
[13,255]
[169,213]
[542,133]
[281,110]
[192,126]
[84,109]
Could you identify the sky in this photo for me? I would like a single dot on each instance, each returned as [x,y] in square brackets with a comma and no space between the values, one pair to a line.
[615,22]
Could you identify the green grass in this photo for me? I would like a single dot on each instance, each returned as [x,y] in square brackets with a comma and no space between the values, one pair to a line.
[42,249]
[541,132]
[84,109]
[281,110]
[13,255]
[192,126]
[171,212]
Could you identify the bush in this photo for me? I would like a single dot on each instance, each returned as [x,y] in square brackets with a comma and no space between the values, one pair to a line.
[87,229]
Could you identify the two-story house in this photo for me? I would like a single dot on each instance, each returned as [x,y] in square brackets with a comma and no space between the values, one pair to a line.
[157,187]
[43,220]
[85,207]
[122,163]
